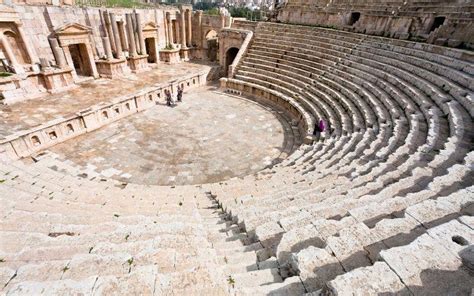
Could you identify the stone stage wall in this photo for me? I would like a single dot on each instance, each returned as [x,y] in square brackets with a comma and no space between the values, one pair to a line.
[448,23]
[47,49]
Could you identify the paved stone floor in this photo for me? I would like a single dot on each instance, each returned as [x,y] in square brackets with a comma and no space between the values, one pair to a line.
[208,137]
[31,113]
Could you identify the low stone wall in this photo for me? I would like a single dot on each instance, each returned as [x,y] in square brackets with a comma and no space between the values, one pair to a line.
[20,87]
[31,141]
[243,50]
[257,92]
[406,20]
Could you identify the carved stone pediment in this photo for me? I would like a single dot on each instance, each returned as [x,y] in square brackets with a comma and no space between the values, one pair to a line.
[150,26]
[73,33]
[73,29]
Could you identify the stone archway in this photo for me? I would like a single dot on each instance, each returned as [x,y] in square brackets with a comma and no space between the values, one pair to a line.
[230,55]
[74,39]
[211,45]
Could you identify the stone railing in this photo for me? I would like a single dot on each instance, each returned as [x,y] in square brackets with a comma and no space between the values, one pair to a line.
[242,51]
[303,119]
[28,142]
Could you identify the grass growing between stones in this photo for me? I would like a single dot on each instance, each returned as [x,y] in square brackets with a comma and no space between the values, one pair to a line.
[5,74]
[231,281]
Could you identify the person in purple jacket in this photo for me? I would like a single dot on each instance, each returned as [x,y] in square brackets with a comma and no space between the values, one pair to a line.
[319,127]
[322,126]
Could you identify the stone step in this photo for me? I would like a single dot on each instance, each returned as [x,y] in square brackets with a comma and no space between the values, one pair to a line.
[256,278]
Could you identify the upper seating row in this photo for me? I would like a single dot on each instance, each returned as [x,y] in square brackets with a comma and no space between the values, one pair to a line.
[395,164]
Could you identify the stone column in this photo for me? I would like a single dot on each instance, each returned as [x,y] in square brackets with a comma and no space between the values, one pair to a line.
[222,21]
[67,55]
[189,29]
[123,35]
[107,49]
[140,34]
[58,53]
[115,31]
[165,27]
[131,38]
[90,54]
[109,30]
[182,29]
[11,56]
[199,27]
[29,49]
[170,29]
[135,32]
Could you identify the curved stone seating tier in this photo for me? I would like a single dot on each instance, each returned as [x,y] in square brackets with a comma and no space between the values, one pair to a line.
[60,236]
[397,163]
[380,202]
[305,120]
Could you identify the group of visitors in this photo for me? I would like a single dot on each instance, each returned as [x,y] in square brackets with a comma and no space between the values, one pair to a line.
[179,96]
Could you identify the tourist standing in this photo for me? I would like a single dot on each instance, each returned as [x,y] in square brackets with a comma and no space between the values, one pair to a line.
[179,96]
[168,97]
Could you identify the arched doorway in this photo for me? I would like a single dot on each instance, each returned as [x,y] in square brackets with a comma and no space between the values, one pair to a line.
[212,45]
[353,18]
[229,57]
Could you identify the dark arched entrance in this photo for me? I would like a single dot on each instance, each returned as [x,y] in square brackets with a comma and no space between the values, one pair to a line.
[354,17]
[229,57]
[212,45]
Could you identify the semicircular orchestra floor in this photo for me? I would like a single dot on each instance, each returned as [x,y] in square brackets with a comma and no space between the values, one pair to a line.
[209,137]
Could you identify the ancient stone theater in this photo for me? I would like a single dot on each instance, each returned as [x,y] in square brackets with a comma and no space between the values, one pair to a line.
[156,149]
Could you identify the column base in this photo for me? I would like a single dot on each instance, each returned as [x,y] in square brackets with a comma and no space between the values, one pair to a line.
[184,53]
[170,56]
[138,63]
[57,80]
[113,68]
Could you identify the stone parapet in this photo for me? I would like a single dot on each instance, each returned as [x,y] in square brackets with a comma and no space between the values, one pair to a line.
[27,142]
[304,120]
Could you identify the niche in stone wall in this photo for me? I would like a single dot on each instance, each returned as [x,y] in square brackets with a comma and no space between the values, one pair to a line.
[52,135]
[105,115]
[69,128]
[16,45]
[437,22]
[353,18]
[35,140]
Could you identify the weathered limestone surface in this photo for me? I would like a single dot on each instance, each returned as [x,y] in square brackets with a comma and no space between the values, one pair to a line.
[355,177]
[361,282]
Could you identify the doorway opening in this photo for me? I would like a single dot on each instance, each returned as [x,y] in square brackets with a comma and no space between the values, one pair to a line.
[80,59]
[150,50]
[355,16]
